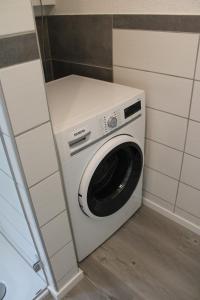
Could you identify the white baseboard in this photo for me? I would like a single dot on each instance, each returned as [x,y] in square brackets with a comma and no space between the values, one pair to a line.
[69,285]
[172,216]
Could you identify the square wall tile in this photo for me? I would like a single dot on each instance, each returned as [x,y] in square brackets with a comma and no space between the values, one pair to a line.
[197,74]
[158,201]
[189,200]
[59,229]
[166,129]
[191,171]
[17,17]
[164,52]
[25,96]
[193,139]
[37,152]
[160,185]
[163,159]
[48,198]
[195,108]
[5,125]
[64,261]
[163,92]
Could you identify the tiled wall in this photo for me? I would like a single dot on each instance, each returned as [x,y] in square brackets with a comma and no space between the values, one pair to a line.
[45,50]
[126,7]
[157,53]
[25,110]
[164,64]
[79,45]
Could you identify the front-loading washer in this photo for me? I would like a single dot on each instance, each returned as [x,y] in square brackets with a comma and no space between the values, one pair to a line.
[99,129]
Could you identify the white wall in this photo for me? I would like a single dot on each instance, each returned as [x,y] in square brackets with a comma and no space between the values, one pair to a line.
[127,7]
[164,64]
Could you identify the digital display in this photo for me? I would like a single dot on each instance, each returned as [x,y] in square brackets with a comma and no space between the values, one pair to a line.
[131,110]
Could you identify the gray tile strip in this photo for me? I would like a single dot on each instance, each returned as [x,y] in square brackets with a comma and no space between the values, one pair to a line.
[18,49]
[64,68]
[179,23]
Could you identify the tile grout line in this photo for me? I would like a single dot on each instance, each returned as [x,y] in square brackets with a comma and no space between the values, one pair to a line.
[81,63]
[57,215]
[43,179]
[188,120]
[32,128]
[169,203]
[154,72]
[166,112]
[165,145]
[162,173]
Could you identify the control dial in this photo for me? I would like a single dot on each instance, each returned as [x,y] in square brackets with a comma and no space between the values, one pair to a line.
[112,122]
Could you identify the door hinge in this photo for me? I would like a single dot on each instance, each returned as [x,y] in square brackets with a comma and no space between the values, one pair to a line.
[37,266]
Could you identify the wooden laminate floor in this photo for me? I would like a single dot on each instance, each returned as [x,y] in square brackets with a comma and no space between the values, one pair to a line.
[149,258]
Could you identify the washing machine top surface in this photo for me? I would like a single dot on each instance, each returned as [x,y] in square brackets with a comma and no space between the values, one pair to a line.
[74,99]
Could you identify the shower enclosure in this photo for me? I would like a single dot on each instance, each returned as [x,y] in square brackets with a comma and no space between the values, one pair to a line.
[21,275]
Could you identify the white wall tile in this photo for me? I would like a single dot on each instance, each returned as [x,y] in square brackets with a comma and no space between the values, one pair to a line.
[165,128]
[195,108]
[164,52]
[5,125]
[82,7]
[193,139]
[63,281]
[163,159]
[167,93]
[191,171]
[59,229]
[16,16]
[37,153]
[25,96]
[48,199]
[154,7]
[197,73]
[126,7]
[187,216]
[64,261]
[189,199]
[160,185]
[158,201]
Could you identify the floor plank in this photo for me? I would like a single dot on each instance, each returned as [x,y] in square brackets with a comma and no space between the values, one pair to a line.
[85,290]
[149,258]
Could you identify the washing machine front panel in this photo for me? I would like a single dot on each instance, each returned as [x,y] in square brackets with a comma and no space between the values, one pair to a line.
[111,177]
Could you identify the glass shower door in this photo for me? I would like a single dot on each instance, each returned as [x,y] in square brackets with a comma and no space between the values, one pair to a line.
[18,254]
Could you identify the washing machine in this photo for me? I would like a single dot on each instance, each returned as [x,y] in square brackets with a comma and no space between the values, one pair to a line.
[99,129]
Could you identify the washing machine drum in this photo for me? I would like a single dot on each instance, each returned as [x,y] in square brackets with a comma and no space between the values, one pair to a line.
[111,177]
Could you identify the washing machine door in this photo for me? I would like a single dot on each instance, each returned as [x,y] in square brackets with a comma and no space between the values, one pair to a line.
[111,177]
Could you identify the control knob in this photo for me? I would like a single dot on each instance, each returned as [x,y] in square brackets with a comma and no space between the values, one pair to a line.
[112,122]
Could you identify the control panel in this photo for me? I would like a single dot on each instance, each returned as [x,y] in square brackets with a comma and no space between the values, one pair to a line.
[111,121]
[122,115]
[90,131]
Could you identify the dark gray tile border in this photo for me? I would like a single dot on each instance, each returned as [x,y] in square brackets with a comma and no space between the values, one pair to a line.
[48,69]
[18,49]
[65,68]
[43,37]
[178,23]
[85,39]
